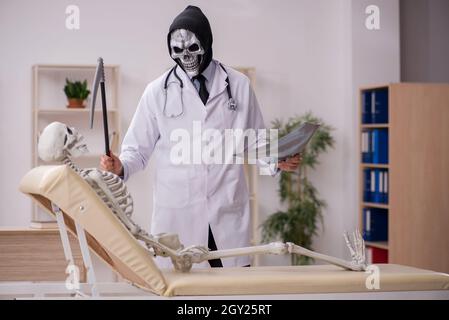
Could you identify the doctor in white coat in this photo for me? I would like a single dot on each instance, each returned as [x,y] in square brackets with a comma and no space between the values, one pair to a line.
[204,203]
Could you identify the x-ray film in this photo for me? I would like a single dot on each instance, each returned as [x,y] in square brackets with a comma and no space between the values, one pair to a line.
[296,140]
[289,145]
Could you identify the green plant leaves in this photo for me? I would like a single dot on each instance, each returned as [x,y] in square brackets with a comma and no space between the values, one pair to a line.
[299,223]
[76,90]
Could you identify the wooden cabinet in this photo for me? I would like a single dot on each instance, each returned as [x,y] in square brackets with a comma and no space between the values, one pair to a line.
[35,255]
[418,169]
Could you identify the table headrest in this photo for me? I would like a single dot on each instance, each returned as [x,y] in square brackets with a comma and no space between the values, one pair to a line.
[106,235]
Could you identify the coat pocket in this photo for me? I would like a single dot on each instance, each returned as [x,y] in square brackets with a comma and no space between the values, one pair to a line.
[236,189]
[172,188]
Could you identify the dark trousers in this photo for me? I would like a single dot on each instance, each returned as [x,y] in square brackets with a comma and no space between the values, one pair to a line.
[214,263]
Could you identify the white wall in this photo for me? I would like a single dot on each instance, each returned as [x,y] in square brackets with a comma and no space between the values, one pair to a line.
[302,52]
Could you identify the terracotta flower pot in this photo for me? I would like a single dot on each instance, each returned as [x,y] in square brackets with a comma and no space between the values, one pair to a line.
[76,103]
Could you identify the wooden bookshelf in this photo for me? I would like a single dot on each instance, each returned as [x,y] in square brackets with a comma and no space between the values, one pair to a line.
[374,205]
[377,244]
[374,126]
[374,165]
[418,169]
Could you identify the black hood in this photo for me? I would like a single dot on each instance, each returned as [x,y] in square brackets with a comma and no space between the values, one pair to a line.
[193,19]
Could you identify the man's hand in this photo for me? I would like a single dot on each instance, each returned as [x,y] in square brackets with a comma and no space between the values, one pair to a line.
[290,164]
[111,164]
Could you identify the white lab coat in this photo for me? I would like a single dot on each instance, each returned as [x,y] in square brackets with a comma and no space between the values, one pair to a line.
[187,198]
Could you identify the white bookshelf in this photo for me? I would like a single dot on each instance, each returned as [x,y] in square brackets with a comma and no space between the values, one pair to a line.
[49,104]
[251,175]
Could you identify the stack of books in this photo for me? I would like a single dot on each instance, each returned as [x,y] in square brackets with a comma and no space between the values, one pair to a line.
[375,106]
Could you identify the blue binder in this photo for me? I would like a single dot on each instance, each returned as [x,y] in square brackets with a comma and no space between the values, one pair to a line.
[380,193]
[375,224]
[367,185]
[380,146]
[379,106]
[366,147]
[377,194]
[366,107]
[375,145]
[385,187]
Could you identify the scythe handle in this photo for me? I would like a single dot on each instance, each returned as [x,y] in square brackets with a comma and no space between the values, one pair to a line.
[105,119]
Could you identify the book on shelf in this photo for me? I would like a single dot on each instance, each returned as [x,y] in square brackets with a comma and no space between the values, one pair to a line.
[366,107]
[366,146]
[376,255]
[379,146]
[375,185]
[385,187]
[367,185]
[379,106]
[375,224]
[375,146]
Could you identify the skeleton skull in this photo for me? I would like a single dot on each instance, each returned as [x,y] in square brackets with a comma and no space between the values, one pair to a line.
[58,141]
[186,47]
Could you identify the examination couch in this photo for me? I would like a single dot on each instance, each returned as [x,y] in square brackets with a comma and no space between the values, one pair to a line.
[107,237]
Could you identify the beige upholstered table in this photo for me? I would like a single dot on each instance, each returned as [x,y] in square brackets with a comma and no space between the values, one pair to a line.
[112,242]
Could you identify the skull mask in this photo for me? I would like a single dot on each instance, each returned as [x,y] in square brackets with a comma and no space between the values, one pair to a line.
[58,141]
[187,50]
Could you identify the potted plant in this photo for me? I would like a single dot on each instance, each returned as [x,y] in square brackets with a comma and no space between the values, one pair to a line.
[298,223]
[76,93]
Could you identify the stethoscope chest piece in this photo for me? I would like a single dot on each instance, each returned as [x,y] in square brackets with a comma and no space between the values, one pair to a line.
[232,105]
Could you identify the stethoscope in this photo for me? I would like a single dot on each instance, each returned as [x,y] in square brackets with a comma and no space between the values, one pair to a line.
[232,105]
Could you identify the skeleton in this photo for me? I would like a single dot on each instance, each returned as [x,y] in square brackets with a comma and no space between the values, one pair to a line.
[186,47]
[59,143]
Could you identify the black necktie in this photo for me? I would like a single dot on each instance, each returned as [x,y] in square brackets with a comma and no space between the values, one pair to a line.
[204,94]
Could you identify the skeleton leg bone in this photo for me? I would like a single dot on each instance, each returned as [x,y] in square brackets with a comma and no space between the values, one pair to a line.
[199,254]
[271,248]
